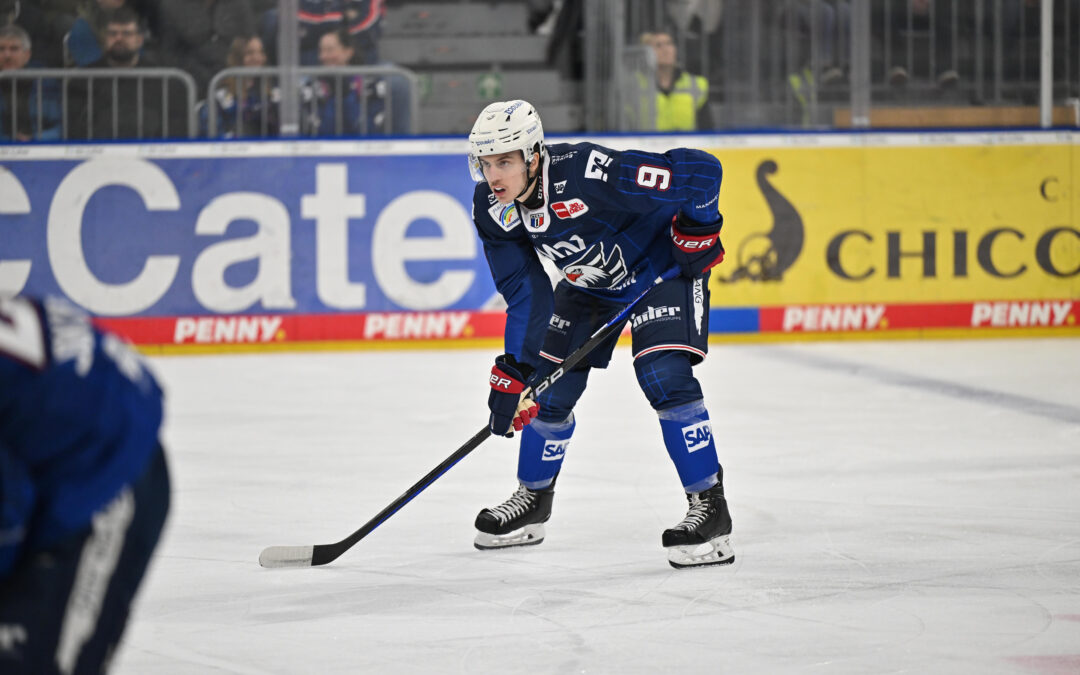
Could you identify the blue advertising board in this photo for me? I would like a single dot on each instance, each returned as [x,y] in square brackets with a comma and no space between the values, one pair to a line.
[197,229]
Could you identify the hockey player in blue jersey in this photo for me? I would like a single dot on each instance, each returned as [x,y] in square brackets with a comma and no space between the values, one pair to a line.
[84,489]
[611,222]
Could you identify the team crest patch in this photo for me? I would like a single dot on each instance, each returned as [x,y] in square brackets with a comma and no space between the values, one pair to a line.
[505,216]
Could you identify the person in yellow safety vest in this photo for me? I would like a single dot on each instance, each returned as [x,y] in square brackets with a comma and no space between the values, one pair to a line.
[682,99]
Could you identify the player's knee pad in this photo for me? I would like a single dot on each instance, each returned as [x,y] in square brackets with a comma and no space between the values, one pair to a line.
[689,439]
[558,400]
[543,447]
[667,378]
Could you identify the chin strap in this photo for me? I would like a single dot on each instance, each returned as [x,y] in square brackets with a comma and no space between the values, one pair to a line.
[529,181]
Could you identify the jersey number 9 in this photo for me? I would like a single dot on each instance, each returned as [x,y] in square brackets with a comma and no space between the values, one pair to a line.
[653,177]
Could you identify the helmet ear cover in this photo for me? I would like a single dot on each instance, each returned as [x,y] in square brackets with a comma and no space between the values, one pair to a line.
[505,126]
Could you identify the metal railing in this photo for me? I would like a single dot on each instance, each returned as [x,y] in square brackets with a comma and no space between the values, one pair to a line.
[363,101]
[783,63]
[125,103]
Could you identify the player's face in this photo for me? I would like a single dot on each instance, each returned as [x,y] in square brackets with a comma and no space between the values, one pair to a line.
[505,174]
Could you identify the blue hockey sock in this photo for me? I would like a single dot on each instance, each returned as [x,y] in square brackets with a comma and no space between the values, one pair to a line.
[689,440]
[540,455]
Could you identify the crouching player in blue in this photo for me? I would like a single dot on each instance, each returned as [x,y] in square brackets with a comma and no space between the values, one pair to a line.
[83,487]
[611,222]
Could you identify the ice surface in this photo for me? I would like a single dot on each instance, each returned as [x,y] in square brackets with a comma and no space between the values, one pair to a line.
[899,507]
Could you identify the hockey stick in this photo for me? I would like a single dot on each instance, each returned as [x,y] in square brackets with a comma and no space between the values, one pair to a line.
[320,554]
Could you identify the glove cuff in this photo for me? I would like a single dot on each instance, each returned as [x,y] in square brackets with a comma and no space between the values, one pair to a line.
[688,240]
[508,376]
[685,225]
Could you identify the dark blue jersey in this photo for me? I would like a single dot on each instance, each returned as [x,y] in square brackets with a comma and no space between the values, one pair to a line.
[604,221]
[79,419]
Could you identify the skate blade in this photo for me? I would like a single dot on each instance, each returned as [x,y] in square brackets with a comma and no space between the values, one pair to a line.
[530,535]
[716,551]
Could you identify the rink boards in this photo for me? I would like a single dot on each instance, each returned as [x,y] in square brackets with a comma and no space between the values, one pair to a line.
[204,246]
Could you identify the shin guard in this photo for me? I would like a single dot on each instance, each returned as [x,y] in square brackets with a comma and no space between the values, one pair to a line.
[540,455]
[689,440]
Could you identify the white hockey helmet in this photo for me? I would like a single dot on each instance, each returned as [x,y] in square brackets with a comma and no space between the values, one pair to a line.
[505,126]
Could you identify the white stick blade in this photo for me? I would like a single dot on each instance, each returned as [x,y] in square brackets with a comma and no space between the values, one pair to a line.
[286,556]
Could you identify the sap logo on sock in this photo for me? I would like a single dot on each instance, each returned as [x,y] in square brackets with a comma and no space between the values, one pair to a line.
[554,450]
[697,436]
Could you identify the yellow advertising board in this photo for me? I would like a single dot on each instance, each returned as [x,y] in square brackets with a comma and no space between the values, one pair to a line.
[981,227]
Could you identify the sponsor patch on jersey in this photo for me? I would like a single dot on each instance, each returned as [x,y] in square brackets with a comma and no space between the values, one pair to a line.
[554,450]
[560,187]
[569,209]
[697,436]
[699,303]
[654,314]
[505,216]
[558,324]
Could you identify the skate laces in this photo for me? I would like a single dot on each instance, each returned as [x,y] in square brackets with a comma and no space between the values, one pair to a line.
[699,511]
[521,501]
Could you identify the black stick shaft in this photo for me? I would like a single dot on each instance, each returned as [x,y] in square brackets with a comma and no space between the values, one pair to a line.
[325,553]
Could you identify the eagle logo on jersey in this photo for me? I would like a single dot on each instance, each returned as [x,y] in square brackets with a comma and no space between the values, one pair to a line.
[505,216]
[596,270]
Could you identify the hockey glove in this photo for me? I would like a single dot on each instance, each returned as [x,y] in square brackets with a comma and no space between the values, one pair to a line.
[510,410]
[696,248]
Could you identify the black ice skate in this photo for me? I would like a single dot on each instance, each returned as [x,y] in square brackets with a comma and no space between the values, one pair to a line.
[519,521]
[702,538]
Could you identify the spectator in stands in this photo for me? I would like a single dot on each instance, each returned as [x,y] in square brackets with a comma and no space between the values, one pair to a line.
[86,37]
[34,111]
[912,45]
[817,35]
[247,107]
[361,19]
[682,98]
[825,28]
[344,105]
[110,108]
[47,21]
[196,34]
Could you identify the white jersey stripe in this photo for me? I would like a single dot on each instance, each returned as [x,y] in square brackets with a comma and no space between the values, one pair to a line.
[661,348]
[100,554]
